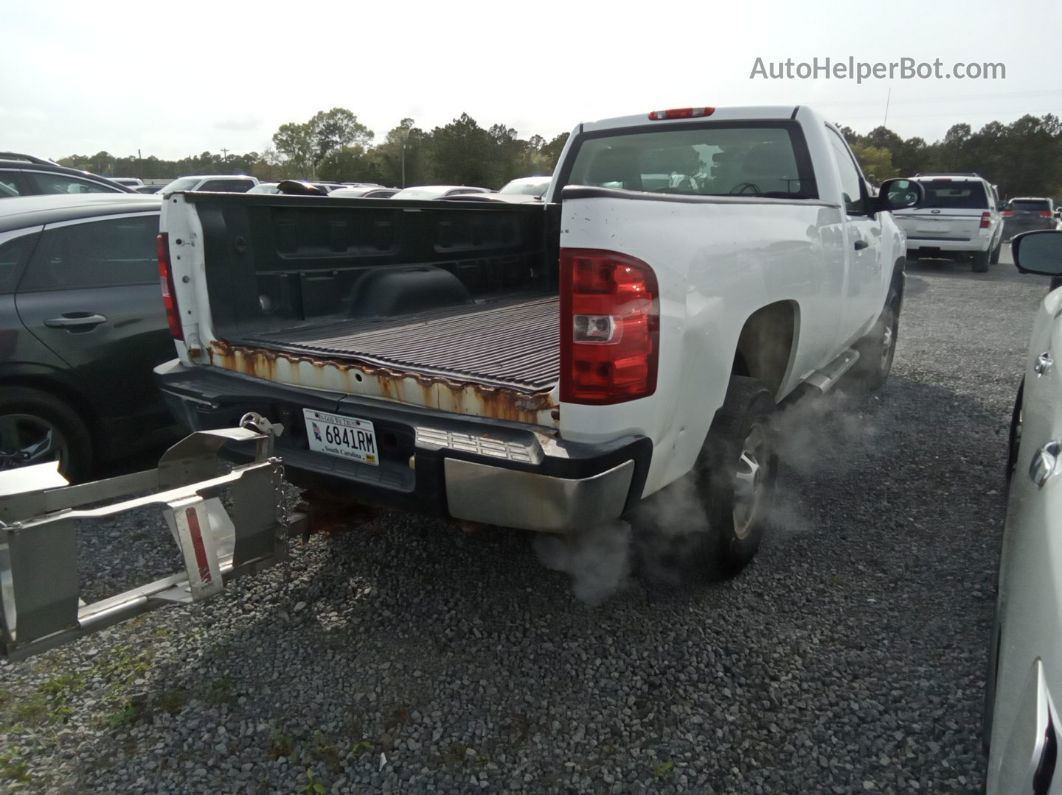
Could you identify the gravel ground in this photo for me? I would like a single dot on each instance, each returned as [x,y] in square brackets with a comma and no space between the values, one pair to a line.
[407,655]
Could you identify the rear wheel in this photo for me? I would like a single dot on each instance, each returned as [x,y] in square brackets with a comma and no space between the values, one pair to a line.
[709,524]
[995,252]
[878,348]
[36,427]
[980,261]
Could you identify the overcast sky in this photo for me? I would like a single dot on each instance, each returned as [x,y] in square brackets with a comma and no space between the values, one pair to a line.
[174,79]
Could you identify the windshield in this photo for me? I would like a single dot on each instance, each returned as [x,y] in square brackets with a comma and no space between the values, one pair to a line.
[958,195]
[1030,205]
[708,160]
[527,187]
[183,183]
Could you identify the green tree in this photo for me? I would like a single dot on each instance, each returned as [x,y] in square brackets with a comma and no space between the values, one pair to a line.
[876,162]
[295,142]
[336,128]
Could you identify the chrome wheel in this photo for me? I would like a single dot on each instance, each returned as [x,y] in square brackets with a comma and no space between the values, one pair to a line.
[888,339]
[27,439]
[749,481]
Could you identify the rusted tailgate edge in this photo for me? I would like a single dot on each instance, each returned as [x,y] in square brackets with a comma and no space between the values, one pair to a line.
[353,376]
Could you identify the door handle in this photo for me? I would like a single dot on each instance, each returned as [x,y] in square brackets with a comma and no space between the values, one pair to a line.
[1044,362]
[75,320]
[860,245]
[1044,463]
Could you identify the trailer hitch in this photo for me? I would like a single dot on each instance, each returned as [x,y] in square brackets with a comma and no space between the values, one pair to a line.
[40,515]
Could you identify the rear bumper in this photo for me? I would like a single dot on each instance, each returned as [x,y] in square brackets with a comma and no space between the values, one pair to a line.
[944,246]
[472,469]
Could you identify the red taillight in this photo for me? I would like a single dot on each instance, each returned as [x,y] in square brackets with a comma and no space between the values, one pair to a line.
[1007,213]
[1045,213]
[610,327]
[680,113]
[169,295]
[986,220]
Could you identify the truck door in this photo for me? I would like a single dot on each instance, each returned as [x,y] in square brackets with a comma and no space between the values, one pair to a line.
[866,282]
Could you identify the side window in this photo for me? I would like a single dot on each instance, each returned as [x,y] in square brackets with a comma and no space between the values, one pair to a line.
[851,180]
[117,251]
[13,254]
[13,183]
[61,183]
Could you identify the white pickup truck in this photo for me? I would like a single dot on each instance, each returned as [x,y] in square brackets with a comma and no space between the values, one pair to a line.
[550,366]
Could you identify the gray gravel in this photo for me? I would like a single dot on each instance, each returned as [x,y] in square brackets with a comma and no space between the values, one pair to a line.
[407,655]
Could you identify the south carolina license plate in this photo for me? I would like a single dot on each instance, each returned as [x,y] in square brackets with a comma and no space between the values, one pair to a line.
[345,437]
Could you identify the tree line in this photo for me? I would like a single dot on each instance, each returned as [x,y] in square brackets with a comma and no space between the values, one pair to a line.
[334,146]
[1022,158]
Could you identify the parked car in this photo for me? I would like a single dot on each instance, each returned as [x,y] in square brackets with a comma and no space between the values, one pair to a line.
[959,219]
[517,191]
[1023,727]
[424,192]
[148,189]
[363,192]
[129,182]
[236,183]
[82,324]
[526,186]
[26,175]
[1026,214]
[553,366]
[279,187]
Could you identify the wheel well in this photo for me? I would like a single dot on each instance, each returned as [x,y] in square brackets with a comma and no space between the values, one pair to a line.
[765,345]
[68,395]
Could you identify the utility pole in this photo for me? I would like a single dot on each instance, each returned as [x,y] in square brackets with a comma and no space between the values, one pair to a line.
[224,153]
[403,162]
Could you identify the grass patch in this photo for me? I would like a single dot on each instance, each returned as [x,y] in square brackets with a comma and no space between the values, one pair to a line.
[12,769]
[281,743]
[664,771]
[221,691]
[324,750]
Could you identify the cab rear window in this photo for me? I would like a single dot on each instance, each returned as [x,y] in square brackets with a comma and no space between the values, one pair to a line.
[964,195]
[702,160]
[1030,205]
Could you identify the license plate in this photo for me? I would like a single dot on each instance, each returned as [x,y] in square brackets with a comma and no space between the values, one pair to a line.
[345,437]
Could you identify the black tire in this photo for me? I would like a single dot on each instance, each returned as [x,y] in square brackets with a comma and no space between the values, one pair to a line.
[1014,437]
[980,262]
[994,260]
[878,348]
[33,410]
[697,528]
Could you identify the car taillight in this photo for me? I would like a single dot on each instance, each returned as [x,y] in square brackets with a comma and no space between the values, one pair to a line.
[986,220]
[1007,213]
[169,295]
[1045,213]
[680,113]
[610,327]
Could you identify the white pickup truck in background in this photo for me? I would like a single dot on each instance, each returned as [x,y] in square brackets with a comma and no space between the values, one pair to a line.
[549,366]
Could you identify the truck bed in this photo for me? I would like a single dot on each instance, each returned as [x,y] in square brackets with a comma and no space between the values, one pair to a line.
[512,343]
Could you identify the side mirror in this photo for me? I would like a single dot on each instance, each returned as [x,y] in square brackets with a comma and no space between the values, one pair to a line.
[899,194]
[1038,252]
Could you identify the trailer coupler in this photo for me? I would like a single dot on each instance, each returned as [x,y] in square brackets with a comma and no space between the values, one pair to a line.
[40,515]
